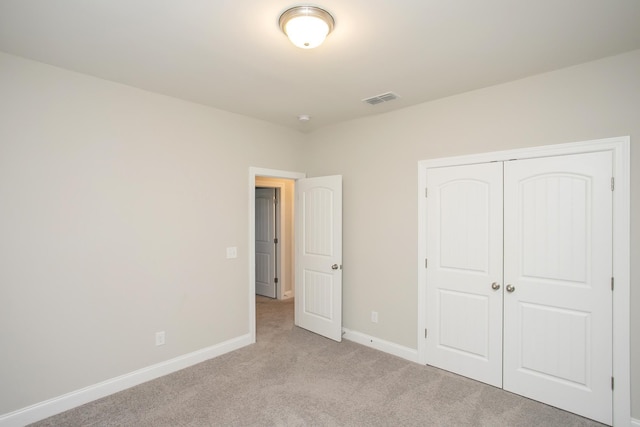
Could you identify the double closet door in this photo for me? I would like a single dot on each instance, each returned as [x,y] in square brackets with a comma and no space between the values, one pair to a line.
[519,277]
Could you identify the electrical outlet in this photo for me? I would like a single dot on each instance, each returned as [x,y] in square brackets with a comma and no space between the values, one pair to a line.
[160,338]
[232,252]
[374,316]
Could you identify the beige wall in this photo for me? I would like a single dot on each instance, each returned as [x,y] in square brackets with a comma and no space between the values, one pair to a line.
[116,206]
[378,158]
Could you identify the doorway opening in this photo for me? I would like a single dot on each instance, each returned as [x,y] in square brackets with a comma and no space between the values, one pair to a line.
[274,232]
[318,252]
[284,182]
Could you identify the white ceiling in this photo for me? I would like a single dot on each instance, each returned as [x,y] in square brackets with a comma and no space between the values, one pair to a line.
[231,54]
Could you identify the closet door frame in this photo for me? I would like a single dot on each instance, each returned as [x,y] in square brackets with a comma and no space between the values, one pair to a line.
[620,149]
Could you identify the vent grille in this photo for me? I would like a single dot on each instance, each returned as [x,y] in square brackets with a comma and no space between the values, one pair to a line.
[379,99]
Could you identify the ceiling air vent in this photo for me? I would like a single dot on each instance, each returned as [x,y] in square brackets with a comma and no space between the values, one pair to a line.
[378,99]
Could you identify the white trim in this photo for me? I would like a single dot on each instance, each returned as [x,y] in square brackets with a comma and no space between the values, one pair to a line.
[251,252]
[67,401]
[407,353]
[635,423]
[620,147]
[422,256]
[592,146]
[622,274]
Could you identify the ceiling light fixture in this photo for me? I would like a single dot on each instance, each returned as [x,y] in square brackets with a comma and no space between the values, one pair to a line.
[306,26]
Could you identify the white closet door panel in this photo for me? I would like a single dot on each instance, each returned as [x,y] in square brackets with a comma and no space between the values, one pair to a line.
[558,258]
[464,252]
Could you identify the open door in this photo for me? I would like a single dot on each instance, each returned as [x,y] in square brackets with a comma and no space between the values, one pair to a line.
[318,236]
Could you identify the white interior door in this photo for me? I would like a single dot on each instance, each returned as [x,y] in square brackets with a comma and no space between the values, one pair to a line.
[558,266]
[318,235]
[464,273]
[265,242]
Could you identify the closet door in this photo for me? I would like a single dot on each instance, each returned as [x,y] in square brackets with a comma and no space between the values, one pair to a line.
[464,273]
[558,267]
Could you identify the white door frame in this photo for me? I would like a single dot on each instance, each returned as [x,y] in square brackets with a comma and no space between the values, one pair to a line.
[253,173]
[620,148]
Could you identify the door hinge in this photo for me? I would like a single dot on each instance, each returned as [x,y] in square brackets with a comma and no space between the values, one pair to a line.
[425,332]
[275,240]
[613,183]
[612,283]
[275,200]
[275,280]
[611,383]
[426,192]
[426,262]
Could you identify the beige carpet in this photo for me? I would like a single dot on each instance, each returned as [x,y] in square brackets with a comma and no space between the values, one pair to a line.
[292,377]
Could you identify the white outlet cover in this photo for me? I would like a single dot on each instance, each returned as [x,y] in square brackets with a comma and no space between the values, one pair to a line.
[232,252]
[160,338]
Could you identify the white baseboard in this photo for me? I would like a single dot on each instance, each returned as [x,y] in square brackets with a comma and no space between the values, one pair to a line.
[382,345]
[635,423]
[59,404]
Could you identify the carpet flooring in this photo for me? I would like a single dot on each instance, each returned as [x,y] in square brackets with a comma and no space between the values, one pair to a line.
[292,377]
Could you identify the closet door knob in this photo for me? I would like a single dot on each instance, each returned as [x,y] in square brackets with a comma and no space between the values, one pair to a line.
[510,288]
[495,286]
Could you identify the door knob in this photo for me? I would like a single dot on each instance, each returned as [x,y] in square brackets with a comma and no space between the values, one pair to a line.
[495,286]
[335,266]
[510,288]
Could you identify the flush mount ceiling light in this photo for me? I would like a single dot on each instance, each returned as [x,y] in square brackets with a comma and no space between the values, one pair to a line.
[306,26]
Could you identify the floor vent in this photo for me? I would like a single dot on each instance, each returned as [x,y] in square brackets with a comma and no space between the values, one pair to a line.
[378,99]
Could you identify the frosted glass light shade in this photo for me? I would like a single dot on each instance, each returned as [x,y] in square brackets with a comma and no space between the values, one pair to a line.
[306,26]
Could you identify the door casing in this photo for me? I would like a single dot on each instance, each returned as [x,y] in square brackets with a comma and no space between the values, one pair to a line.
[620,148]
